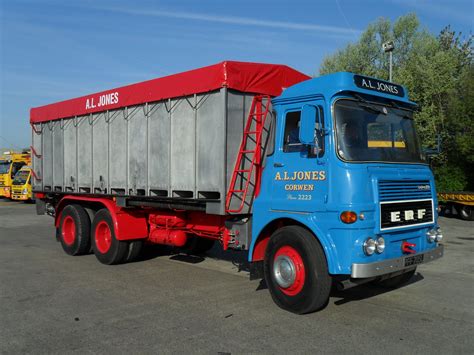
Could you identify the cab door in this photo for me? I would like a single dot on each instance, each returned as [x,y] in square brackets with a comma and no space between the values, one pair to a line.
[300,176]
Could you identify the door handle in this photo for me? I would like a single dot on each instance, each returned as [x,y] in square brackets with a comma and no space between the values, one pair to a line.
[278,165]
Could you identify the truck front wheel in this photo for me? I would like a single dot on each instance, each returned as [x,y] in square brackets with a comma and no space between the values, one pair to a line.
[296,271]
[74,230]
[134,249]
[107,248]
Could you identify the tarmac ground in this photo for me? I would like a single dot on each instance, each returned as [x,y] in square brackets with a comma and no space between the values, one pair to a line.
[169,302]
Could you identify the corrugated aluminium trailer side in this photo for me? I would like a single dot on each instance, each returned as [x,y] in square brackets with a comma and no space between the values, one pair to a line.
[170,149]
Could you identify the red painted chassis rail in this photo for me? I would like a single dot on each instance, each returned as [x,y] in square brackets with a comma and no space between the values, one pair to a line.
[156,226]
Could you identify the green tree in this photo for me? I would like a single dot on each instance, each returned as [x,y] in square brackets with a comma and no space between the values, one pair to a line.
[438,72]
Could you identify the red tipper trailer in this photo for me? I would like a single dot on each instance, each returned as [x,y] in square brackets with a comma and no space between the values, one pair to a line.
[156,161]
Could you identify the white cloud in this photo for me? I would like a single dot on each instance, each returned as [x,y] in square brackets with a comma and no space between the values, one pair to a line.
[232,20]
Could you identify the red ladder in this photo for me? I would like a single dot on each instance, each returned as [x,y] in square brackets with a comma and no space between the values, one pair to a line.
[252,133]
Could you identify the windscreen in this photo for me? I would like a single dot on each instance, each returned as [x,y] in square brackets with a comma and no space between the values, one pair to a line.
[4,167]
[21,177]
[374,132]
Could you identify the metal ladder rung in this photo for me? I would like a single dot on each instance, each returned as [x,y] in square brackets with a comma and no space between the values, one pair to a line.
[253,131]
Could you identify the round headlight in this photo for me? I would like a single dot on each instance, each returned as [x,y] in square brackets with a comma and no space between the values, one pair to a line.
[380,245]
[369,246]
[25,191]
[439,235]
[431,235]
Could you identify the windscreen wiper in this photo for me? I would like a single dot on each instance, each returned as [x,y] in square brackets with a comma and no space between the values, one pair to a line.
[399,108]
[368,106]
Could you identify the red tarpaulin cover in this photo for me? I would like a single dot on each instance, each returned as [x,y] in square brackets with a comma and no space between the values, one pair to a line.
[258,78]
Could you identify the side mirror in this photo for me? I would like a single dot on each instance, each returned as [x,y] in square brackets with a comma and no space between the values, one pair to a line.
[309,115]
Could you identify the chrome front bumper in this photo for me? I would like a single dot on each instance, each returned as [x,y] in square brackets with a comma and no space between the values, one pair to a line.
[393,265]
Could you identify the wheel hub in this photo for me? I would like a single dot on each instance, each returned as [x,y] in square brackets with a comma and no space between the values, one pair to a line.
[284,271]
[289,270]
[103,237]
[68,230]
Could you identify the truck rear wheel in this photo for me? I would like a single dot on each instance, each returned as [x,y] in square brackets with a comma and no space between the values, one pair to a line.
[296,271]
[134,250]
[74,230]
[107,248]
[466,212]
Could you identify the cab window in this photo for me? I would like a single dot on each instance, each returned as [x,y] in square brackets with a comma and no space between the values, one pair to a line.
[16,167]
[291,135]
[292,132]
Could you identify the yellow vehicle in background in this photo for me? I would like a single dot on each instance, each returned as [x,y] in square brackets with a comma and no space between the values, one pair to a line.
[457,203]
[21,186]
[10,164]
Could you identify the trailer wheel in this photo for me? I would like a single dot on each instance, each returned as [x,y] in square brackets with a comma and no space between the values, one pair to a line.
[107,248]
[296,271]
[74,230]
[134,250]
[466,212]
[396,281]
[197,245]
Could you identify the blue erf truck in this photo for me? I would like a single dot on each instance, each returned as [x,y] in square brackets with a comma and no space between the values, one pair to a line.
[321,181]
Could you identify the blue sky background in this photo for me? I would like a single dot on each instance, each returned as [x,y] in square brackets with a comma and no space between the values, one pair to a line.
[54,50]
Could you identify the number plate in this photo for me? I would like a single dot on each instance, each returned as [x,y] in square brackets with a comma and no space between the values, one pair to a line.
[414,260]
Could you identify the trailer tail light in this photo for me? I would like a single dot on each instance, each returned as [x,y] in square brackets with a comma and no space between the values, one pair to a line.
[348,217]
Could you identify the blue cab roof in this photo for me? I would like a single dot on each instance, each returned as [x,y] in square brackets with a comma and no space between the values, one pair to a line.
[332,84]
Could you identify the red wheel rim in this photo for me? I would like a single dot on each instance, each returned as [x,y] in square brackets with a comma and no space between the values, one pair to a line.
[288,270]
[103,237]
[68,230]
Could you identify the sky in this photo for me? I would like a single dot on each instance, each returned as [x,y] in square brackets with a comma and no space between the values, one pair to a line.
[52,50]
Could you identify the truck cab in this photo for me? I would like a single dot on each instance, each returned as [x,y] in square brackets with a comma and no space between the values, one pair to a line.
[10,164]
[21,185]
[347,167]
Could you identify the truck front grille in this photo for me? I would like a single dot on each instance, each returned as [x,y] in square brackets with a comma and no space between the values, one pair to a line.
[404,214]
[400,190]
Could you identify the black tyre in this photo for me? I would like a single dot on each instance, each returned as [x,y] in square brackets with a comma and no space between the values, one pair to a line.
[396,281]
[466,212]
[296,271]
[107,248]
[74,230]
[134,250]
[197,246]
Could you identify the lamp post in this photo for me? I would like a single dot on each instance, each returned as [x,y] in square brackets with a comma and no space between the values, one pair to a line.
[389,47]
